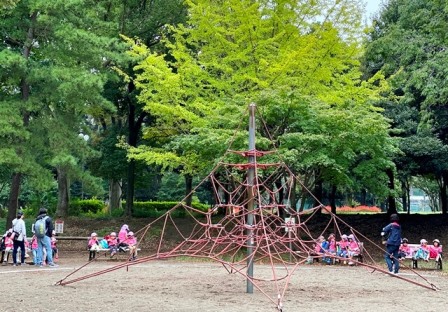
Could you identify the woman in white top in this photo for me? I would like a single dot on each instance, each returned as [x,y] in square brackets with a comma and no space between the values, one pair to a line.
[18,226]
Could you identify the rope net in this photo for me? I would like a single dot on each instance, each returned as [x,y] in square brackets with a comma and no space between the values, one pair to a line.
[278,239]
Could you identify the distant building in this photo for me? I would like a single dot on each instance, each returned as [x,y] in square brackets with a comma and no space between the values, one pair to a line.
[419,201]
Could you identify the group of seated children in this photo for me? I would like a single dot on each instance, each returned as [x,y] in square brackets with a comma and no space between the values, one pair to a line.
[125,241]
[424,251]
[347,247]
[7,245]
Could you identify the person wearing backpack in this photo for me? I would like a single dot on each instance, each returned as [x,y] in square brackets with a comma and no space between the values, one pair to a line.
[18,227]
[43,228]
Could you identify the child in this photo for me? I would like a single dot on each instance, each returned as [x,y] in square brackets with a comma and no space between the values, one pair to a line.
[131,242]
[422,251]
[93,245]
[122,235]
[54,248]
[34,247]
[332,244]
[404,250]
[342,246]
[352,248]
[113,243]
[9,245]
[435,251]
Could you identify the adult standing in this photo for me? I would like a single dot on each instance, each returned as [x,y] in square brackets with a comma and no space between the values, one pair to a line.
[18,226]
[43,229]
[392,235]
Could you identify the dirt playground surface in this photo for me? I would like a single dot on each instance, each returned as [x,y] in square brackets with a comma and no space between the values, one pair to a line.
[202,286]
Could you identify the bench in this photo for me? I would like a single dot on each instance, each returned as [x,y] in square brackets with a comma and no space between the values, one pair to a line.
[414,248]
[106,251]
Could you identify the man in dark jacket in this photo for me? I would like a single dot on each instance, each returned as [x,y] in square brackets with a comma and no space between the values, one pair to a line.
[392,234]
[45,241]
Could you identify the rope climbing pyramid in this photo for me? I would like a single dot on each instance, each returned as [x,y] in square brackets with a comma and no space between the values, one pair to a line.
[250,224]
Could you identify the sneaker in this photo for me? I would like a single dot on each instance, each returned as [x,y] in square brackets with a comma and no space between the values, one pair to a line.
[14,264]
[23,264]
[351,263]
[53,265]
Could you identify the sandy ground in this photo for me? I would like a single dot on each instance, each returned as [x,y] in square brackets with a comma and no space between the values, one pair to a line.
[187,286]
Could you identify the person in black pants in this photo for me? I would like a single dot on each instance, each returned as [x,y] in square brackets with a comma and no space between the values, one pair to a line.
[18,227]
[392,236]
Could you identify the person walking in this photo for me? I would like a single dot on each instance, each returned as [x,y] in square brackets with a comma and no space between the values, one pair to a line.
[391,234]
[43,229]
[18,226]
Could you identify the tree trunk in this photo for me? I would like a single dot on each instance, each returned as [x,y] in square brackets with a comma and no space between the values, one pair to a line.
[115,192]
[134,127]
[318,192]
[63,194]
[281,212]
[13,204]
[333,198]
[292,196]
[392,207]
[130,188]
[405,196]
[188,189]
[443,197]
[363,197]
[25,89]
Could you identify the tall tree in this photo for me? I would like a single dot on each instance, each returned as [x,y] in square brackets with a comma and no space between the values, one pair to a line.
[408,45]
[228,55]
[53,60]
[147,22]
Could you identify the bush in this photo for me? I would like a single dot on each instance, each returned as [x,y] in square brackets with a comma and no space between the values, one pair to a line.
[90,206]
[156,209]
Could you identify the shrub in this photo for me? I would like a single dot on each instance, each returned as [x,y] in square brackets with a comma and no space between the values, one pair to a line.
[91,206]
[156,209]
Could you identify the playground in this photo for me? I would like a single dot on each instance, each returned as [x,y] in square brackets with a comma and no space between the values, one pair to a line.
[205,286]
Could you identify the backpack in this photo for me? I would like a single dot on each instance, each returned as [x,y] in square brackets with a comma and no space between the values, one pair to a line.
[40,227]
[104,244]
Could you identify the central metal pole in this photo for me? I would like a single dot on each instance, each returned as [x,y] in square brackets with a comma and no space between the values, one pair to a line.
[250,203]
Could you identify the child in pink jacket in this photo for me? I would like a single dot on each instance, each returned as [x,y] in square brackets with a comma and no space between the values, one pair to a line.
[435,250]
[93,245]
[131,242]
[112,242]
[34,247]
[9,245]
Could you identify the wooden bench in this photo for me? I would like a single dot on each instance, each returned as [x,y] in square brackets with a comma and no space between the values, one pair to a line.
[414,248]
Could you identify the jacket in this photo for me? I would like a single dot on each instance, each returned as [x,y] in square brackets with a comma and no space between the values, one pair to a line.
[393,233]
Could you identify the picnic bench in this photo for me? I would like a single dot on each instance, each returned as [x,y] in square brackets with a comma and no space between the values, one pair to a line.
[414,248]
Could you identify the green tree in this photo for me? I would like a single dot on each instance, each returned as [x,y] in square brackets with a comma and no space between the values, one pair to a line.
[408,45]
[228,55]
[51,79]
